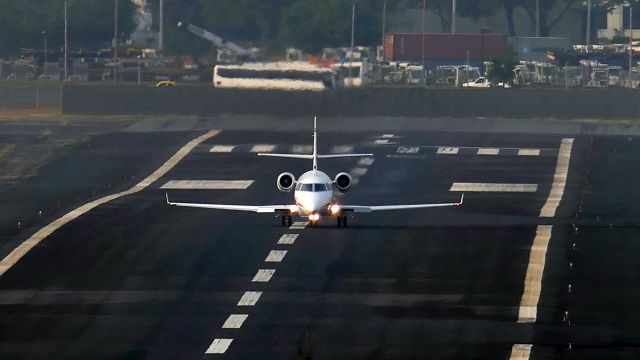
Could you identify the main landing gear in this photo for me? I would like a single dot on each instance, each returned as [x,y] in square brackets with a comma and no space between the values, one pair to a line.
[342,220]
[286,220]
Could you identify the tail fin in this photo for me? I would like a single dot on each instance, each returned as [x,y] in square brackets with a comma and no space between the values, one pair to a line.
[315,156]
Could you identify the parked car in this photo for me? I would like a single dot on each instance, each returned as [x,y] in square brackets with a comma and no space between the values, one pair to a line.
[483,83]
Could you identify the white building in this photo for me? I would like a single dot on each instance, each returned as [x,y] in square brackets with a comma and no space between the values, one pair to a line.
[618,23]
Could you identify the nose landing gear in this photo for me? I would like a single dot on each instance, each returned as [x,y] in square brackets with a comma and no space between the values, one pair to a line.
[286,220]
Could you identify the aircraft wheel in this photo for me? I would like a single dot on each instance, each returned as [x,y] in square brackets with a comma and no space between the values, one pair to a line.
[339,220]
[289,220]
[344,221]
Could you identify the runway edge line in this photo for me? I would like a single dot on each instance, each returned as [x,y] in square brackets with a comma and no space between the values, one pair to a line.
[10,260]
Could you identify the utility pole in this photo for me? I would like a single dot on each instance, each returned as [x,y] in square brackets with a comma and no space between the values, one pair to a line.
[44,34]
[66,41]
[115,44]
[453,16]
[630,42]
[384,27]
[353,39]
[424,66]
[161,32]
[588,25]
[537,18]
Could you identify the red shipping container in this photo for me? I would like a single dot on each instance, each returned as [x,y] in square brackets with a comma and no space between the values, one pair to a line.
[442,46]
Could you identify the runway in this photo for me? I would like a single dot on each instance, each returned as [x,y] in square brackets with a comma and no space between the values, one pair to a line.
[135,278]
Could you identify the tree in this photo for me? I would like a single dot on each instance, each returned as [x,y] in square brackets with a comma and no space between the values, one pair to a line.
[547,21]
[90,23]
[501,70]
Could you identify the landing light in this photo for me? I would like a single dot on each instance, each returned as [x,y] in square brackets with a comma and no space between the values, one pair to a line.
[335,209]
[293,208]
[314,217]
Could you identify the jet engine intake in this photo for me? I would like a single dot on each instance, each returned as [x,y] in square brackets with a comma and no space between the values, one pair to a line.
[286,181]
[343,182]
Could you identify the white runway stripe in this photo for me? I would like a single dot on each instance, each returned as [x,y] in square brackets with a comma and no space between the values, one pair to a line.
[219,346]
[299,225]
[235,321]
[528,152]
[17,254]
[263,275]
[520,352]
[249,298]
[359,171]
[366,161]
[381,142]
[222,149]
[342,149]
[408,150]
[528,312]
[207,184]
[288,239]
[488,151]
[448,150]
[302,149]
[493,187]
[276,256]
[263,148]
[559,179]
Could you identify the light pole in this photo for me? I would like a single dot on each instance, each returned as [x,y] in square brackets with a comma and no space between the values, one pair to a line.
[66,41]
[139,71]
[424,64]
[453,16]
[630,42]
[115,44]
[588,25]
[44,35]
[537,18]
[353,26]
[161,32]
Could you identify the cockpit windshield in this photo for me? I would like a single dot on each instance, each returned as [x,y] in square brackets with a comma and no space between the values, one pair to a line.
[312,187]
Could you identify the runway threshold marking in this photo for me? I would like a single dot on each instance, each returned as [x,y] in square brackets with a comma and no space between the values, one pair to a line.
[493,187]
[219,346]
[26,246]
[235,321]
[559,179]
[528,152]
[299,225]
[276,256]
[528,311]
[249,298]
[222,148]
[288,239]
[207,184]
[447,150]
[263,275]
[263,148]
[520,352]
[488,151]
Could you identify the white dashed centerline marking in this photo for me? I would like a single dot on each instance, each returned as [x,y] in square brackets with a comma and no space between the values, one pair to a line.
[219,346]
[288,239]
[528,152]
[299,225]
[381,142]
[17,253]
[263,148]
[207,184]
[235,321]
[388,136]
[520,352]
[408,150]
[528,312]
[488,151]
[249,298]
[493,187]
[263,275]
[222,149]
[448,150]
[276,256]
[559,179]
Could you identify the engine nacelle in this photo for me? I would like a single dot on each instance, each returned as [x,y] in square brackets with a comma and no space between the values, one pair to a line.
[343,182]
[286,181]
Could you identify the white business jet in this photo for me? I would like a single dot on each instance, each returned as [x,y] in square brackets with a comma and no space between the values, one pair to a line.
[313,194]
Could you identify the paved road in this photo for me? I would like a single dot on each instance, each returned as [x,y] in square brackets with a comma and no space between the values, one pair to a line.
[135,278]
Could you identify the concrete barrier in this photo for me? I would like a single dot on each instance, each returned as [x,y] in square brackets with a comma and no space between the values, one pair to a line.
[411,102]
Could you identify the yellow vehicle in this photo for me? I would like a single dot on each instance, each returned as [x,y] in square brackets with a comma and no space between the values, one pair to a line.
[165,83]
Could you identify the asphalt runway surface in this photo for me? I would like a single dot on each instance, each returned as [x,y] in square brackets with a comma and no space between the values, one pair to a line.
[135,278]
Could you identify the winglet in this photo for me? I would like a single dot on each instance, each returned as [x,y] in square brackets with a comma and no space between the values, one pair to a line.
[461,201]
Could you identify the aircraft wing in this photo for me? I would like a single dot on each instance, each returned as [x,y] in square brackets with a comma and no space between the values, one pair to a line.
[369,209]
[250,208]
